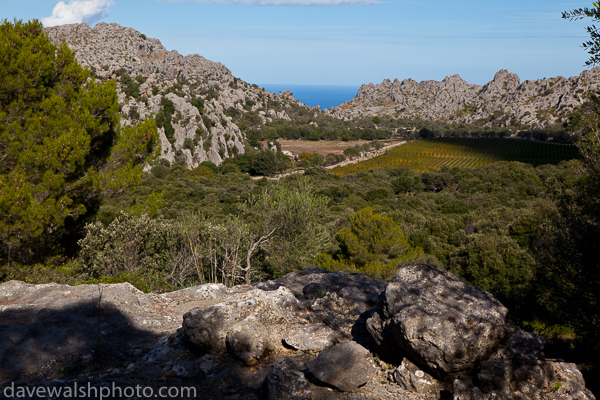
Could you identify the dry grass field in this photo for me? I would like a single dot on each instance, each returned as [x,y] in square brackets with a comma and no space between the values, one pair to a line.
[323,147]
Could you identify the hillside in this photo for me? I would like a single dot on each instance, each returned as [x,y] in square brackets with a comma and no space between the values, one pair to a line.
[504,101]
[189,95]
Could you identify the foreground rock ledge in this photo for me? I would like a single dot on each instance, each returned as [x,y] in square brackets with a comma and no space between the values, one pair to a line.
[304,335]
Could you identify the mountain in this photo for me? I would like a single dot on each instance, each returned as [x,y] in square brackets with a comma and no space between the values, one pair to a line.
[204,113]
[193,99]
[504,101]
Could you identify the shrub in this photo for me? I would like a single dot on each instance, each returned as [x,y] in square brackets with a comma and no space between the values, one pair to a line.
[360,253]
[128,245]
[188,143]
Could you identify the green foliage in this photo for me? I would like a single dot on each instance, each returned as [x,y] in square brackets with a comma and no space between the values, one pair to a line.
[497,264]
[128,245]
[61,142]
[372,244]
[164,118]
[318,160]
[211,165]
[332,159]
[304,125]
[198,103]
[291,217]
[262,162]
[131,87]
[208,123]
[351,152]
[188,143]
[279,226]
[593,45]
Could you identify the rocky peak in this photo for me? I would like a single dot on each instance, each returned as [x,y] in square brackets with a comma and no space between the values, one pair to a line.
[149,76]
[503,101]
[502,83]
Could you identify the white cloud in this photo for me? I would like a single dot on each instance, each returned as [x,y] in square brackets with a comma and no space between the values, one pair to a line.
[283,2]
[77,11]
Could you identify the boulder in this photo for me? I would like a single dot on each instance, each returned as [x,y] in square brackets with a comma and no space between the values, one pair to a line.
[247,325]
[310,337]
[518,369]
[345,366]
[444,324]
[263,340]
[286,381]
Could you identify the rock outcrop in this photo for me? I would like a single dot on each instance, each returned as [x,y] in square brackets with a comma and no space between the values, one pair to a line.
[303,336]
[503,101]
[246,326]
[205,94]
[444,324]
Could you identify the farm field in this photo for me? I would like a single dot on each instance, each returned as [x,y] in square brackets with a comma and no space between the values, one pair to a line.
[322,147]
[432,154]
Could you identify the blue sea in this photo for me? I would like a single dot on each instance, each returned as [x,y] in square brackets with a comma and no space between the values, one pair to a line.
[325,96]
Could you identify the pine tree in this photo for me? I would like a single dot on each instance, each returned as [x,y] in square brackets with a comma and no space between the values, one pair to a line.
[61,144]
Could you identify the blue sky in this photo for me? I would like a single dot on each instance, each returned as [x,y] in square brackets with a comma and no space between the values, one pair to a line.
[346,42]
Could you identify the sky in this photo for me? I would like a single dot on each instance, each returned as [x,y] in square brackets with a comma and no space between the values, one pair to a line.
[346,42]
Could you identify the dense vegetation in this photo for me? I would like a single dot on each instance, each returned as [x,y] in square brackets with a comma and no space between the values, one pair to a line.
[303,123]
[433,154]
[61,144]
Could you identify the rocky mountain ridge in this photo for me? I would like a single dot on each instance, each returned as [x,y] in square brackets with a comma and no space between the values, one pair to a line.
[504,101]
[197,127]
[312,334]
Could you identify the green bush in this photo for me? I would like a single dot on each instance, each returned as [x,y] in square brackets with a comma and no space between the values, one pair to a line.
[373,244]
[128,245]
[188,143]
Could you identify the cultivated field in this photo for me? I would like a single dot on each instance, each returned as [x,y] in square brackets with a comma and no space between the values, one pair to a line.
[432,154]
[324,147]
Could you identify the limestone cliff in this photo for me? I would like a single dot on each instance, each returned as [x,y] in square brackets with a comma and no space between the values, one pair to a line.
[201,90]
[503,101]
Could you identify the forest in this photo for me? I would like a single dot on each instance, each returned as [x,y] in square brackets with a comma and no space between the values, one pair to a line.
[80,208]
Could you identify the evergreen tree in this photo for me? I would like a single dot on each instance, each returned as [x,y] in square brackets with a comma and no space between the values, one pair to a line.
[373,244]
[61,144]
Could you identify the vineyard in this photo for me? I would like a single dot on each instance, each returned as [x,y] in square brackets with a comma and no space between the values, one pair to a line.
[433,154]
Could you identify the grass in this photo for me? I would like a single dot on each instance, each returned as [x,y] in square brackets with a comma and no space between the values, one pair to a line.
[432,154]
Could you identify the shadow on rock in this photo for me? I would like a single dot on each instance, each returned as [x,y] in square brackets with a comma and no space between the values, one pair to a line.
[52,342]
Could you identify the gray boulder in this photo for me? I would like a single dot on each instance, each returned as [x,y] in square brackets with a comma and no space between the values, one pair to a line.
[313,337]
[444,324]
[286,381]
[518,370]
[345,366]
[247,325]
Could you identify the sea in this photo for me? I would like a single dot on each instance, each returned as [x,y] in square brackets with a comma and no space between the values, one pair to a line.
[324,96]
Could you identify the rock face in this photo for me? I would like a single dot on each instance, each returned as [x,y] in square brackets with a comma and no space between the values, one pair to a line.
[205,94]
[441,322]
[247,326]
[503,101]
[345,366]
[413,379]
[303,336]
